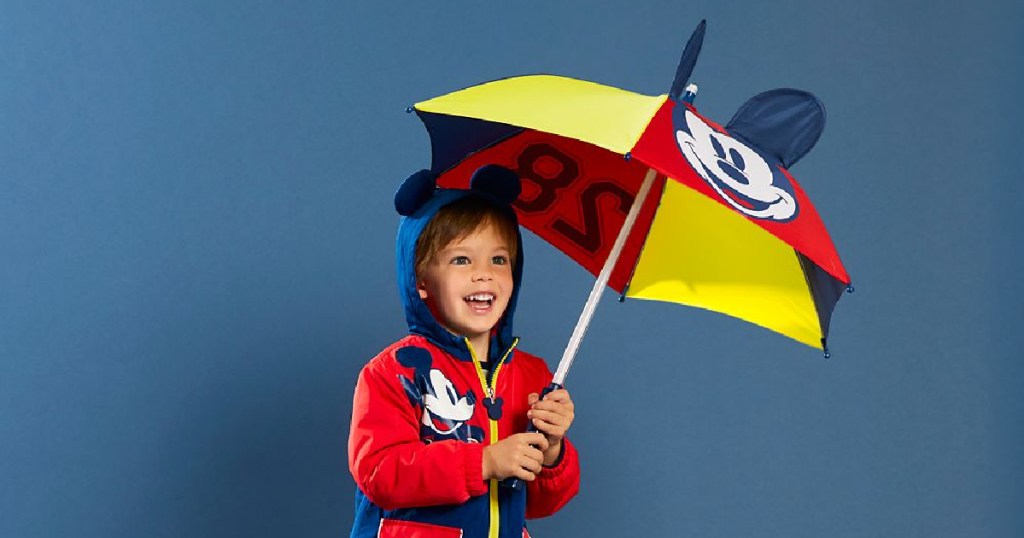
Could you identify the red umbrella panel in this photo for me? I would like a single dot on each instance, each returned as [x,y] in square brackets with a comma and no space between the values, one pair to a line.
[575,196]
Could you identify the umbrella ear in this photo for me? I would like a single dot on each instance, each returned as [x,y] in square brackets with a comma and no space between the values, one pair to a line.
[688,60]
[414,192]
[785,123]
[496,182]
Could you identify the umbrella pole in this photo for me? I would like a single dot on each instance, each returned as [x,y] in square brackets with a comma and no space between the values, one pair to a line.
[588,310]
[602,281]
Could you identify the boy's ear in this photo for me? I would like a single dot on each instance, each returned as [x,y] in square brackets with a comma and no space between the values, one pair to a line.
[415,191]
[422,288]
[497,182]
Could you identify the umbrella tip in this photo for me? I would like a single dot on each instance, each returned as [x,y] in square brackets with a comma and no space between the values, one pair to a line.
[849,288]
[408,110]
[690,93]
[628,155]
[824,349]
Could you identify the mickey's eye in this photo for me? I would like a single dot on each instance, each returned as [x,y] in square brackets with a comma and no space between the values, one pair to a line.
[717,146]
[737,158]
[499,260]
[459,260]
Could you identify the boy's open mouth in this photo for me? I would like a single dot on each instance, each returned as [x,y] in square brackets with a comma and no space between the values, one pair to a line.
[479,301]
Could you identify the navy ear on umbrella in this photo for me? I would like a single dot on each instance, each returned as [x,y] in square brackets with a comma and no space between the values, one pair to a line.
[784,123]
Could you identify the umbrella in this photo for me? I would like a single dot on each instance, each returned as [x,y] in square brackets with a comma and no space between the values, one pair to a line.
[655,199]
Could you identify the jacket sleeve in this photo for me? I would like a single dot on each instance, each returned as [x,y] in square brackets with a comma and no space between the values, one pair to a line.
[554,486]
[389,462]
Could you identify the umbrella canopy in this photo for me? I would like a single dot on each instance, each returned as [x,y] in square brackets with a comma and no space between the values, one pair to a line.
[724,227]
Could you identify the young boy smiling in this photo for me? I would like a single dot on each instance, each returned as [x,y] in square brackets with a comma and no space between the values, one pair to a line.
[439,417]
[468,282]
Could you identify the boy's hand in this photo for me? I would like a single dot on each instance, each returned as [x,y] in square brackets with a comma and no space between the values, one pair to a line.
[552,416]
[518,455]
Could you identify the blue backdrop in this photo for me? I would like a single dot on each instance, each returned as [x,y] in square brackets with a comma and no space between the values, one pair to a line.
[196,237]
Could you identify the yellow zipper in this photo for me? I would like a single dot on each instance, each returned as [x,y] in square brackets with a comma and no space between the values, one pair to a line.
[489,394]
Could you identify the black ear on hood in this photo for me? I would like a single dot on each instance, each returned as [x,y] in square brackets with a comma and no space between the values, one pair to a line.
[496,182]
[414,192]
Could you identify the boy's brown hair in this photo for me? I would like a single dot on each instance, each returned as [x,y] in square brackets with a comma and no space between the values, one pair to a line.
[459,219]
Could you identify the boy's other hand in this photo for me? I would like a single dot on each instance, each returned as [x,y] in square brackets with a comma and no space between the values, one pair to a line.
[552,416]
[519,455]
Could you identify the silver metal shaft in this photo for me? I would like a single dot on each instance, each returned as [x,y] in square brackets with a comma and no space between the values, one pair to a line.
[602,281]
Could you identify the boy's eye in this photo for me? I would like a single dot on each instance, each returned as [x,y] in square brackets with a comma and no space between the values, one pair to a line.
[499,260]
[460,260]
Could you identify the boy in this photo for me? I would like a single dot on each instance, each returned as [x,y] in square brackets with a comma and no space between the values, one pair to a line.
[439,417]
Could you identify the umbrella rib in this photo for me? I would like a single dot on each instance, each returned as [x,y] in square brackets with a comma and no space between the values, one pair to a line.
[602,280]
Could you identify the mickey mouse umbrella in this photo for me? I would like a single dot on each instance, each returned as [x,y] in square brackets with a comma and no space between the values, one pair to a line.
[655,199]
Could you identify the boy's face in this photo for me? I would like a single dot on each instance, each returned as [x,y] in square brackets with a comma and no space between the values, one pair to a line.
[469,282]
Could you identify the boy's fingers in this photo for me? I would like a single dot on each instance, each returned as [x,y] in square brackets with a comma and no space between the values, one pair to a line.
[545,423]
[536,456]
[538,440]
[557,419]
[561,408]
[531,438]
[559,395]
[558,398]
[524,474]
[550,429]
[532,462]
[550,417]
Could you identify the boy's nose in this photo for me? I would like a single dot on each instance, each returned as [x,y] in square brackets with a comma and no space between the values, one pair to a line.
[482,275]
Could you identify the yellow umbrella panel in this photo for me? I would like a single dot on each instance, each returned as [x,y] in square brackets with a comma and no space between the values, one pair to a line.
[701,254]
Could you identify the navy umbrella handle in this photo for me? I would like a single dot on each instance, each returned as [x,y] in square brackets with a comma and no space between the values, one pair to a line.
[518,483]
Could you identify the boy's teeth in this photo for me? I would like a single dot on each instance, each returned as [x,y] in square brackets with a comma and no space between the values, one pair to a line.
[480,297]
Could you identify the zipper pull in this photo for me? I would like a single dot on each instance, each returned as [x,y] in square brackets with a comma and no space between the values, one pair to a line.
[493,406]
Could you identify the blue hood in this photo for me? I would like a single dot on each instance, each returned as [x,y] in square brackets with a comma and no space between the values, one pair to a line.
[417,314]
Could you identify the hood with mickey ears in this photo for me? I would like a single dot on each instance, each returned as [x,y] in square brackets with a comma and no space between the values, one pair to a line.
[418,200]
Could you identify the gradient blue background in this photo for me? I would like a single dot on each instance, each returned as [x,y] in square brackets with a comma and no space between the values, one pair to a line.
[196,238]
